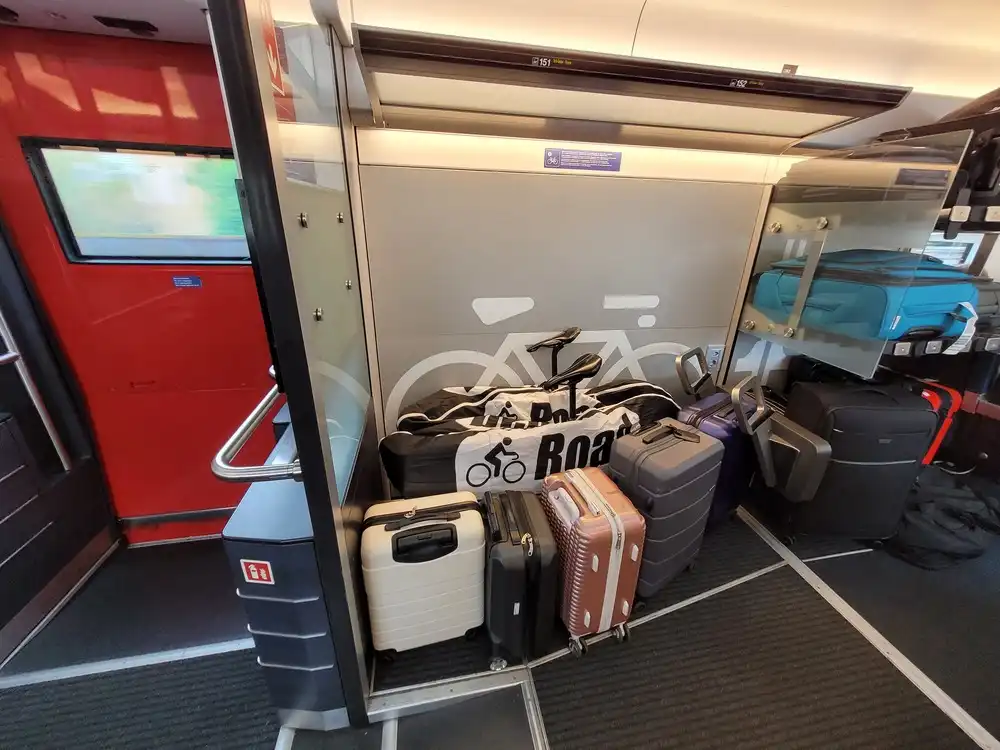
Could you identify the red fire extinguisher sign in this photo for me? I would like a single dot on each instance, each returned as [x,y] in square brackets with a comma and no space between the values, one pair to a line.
[257,571]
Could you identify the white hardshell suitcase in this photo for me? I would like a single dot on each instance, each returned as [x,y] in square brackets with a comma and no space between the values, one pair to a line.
[423,562]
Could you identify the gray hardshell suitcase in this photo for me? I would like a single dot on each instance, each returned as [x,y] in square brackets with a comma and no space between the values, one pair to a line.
[668,470]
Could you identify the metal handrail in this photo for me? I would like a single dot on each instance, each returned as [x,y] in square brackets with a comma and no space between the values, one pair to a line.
[13,357]
[222,465]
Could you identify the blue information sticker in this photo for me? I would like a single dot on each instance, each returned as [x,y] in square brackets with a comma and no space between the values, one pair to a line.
[568,158]
[187,282]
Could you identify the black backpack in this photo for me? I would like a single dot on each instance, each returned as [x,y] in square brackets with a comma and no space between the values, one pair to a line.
[945,522]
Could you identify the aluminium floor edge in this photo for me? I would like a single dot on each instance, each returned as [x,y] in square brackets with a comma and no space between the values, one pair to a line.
[976,732]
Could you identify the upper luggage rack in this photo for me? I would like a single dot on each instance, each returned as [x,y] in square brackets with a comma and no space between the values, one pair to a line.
[420,81]
[973,203]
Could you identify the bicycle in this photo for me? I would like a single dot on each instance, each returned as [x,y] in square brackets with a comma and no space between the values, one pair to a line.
[496,371]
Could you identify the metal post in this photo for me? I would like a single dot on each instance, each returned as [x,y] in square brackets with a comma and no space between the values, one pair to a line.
[13,356]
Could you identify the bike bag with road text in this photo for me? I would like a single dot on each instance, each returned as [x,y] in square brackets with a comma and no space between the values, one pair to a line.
[530,403]
[492,453]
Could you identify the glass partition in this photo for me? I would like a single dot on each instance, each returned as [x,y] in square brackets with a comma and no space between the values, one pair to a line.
[321,241]
[843,245]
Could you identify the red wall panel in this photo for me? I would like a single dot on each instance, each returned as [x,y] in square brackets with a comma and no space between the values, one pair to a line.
[167,373]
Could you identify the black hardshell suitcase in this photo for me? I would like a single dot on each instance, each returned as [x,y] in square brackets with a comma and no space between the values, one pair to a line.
[878,436]
[522,577]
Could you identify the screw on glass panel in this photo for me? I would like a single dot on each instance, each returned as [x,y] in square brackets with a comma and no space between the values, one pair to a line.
[340,217]
[348,284]
[749,325]
[774,227]
[770,327]
[789,332]
[822,223]
[303,220]
[318,314]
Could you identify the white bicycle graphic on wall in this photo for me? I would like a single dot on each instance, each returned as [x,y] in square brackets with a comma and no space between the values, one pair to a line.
[497,371]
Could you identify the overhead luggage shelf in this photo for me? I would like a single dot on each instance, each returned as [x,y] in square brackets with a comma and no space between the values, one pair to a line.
[405,72]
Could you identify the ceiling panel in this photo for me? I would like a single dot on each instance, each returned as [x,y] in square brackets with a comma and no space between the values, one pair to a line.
[177,20]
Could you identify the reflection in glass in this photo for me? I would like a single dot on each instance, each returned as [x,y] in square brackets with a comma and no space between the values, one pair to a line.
[840,268]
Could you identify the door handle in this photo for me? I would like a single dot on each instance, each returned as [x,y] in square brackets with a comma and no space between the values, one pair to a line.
[222,464]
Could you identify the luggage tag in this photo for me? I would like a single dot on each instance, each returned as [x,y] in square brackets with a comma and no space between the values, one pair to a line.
[962,342]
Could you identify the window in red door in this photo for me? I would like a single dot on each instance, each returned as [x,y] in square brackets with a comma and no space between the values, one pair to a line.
[154,247]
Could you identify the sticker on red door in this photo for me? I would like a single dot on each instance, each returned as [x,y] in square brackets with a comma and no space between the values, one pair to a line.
[257,571]
[271,46]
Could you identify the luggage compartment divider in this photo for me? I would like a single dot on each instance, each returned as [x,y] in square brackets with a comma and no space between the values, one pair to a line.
[534,711]
[976,732]
[428,696]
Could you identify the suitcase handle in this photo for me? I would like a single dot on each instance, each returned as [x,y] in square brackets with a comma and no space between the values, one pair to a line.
[705,377]
[690,436]
[757,425]
[404,522]
[424,544]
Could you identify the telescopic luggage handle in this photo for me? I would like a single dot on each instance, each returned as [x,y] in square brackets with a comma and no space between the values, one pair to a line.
[757,425]
[705,377]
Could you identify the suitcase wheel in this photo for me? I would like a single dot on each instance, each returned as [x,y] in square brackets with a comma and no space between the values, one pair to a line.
[388,656]
[577,647]
[498,664]
[622,633]
[472,634]
[638,606]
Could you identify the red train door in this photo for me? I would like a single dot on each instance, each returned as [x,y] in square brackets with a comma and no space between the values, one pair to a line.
[117,188]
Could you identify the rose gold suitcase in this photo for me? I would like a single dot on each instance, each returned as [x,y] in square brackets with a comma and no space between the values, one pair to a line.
[600,535]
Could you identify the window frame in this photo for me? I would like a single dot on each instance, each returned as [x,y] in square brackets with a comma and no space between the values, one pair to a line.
[32,150]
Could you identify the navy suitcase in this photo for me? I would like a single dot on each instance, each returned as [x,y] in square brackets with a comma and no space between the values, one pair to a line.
[716,416]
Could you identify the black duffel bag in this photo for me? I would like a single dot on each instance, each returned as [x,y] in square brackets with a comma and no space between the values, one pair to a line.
[945,522]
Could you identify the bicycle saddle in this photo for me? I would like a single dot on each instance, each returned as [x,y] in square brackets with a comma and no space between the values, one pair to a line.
[585,366]
[558,341]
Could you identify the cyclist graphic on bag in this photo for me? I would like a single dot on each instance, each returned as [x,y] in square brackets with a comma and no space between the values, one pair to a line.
[512,472]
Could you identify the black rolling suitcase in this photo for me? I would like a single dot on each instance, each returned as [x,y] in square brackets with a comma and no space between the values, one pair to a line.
[878,436]
[522,577]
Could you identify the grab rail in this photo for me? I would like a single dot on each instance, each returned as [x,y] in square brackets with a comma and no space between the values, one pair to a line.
[13,357]
[222,465]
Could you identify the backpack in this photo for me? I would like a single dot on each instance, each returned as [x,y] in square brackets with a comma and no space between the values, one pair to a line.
[945,522]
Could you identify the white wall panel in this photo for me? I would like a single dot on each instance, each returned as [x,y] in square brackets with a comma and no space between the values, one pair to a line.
[468,267]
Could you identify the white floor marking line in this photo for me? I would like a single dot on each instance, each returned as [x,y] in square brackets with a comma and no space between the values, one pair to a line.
[923,683]
[835,555]
[286,737]
[534,710]
[127,662]
[390,730]
[706,594]
[665,611]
